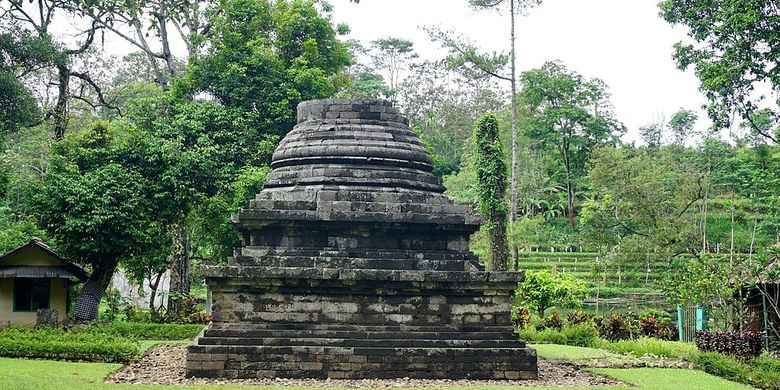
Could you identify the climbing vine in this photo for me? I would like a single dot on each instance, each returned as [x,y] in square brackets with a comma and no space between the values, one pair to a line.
[491,187]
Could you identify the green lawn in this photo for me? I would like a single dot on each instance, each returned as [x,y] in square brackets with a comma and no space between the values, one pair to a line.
[571,353]
[669,378]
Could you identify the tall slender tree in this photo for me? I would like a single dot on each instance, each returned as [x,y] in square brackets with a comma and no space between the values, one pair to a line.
[392,54]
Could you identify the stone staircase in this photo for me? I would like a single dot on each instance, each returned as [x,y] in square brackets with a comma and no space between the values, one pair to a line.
[339,351]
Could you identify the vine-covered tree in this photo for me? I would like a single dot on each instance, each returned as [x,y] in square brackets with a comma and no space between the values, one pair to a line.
[491,187]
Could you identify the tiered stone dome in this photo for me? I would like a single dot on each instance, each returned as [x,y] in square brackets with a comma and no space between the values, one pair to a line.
[353,161]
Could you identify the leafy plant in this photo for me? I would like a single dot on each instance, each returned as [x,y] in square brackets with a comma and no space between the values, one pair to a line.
[614,328]
[521,317]
[554,321]
[544,289]
[741,345]
[578,317]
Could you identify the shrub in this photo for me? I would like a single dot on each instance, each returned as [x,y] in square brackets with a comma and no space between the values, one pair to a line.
[547,336]
[649,326]
[543,289]
[577,317]
[741,345]
[651,346]
[521,317]
[615,327]
[554,321]
[50,343]
[581,335]
[723,366]
[763,373]
[149,331]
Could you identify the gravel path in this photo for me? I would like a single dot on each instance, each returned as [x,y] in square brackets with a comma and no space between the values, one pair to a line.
[164,364]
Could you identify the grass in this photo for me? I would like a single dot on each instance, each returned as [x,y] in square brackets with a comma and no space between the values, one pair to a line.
[570,353]
[22,374]
[44,374]
[669,378]
[654,347]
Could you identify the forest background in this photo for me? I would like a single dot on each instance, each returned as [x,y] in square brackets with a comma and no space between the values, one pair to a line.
[137,161]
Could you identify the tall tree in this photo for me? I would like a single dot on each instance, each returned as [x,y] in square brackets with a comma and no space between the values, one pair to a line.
[491,187]
[653,133]
[681,124]
[571,114]
[392,55]
[263,57]
[20,54]
[489,64]
[736,52]
[643,201]
[34,20]
[98,207]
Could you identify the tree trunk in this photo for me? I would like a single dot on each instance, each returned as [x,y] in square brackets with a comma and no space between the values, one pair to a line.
[180,270]
[513,169]
[60,114]
[499,255]
[86,308]
[153,287]
[569,188]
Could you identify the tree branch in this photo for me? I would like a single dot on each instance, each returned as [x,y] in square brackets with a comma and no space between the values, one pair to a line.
[87,42]
[126,37]
[85,77]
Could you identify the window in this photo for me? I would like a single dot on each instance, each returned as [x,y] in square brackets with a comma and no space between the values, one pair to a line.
[31,294]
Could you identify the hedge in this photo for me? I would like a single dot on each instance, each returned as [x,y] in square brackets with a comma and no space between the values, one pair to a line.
[50,343]
[150,331]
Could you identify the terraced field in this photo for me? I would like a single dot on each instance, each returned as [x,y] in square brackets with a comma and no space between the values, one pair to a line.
[629,283]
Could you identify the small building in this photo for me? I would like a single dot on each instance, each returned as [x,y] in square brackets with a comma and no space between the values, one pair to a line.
[33,278]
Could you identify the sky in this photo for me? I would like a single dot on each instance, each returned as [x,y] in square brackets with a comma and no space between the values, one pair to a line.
[623,42]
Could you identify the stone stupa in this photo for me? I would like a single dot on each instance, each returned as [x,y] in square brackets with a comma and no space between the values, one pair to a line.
[355,265]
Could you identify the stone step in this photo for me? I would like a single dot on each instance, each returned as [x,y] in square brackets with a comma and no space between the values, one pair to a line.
[375,362]
[366,342]
[356,335]
[385,373]
[356,327]
[357,253]
[350,263]
[369,354]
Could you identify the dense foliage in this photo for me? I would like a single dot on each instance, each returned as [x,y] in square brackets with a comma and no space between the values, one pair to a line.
[735,49]
[741,345]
